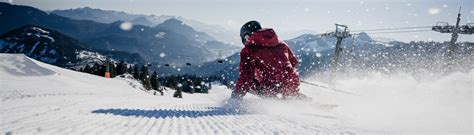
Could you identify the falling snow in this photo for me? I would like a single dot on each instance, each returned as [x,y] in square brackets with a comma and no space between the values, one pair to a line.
[160,35]
[126,26]
[434,11]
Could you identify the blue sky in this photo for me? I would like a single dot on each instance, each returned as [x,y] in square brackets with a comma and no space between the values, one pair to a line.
[294,15]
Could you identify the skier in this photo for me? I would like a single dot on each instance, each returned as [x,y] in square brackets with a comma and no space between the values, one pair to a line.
[267,65]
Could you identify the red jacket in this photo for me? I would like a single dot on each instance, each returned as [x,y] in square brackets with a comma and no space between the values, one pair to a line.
[269,63]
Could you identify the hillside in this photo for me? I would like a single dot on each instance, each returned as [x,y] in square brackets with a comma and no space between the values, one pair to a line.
[108,16]
[148,42]
[38,98]
[66,101]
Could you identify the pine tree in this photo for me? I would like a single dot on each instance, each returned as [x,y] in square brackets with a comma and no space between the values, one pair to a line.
[87,69]
[145,77]
[136,73]
[129,69]
[158,85]
[112,70]
[98,70]
[191,87]
[154,81]
[179,92]
[121,68]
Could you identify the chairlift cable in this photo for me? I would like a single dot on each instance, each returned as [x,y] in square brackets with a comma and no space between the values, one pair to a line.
[407,31]
[388,29]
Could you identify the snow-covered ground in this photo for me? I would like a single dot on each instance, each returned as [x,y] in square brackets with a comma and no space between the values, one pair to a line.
[44,99]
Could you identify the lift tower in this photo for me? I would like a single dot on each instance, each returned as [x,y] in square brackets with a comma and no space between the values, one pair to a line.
[341,32]
[454,36]
[455,30]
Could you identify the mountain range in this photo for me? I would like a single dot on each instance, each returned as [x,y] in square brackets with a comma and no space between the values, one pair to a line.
[109,16]
[48,46]
[168,42]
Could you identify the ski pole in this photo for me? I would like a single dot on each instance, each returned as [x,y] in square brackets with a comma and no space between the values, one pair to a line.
[325,87]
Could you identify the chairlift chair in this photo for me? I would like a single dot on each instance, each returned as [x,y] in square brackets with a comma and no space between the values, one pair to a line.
[443,27]
[467,29]
[220,60]
[448,29]
[188,61]
[439,26]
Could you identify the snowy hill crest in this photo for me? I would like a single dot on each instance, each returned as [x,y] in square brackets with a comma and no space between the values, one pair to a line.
[21,65]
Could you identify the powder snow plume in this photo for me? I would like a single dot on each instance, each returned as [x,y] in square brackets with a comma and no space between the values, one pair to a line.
[403,103]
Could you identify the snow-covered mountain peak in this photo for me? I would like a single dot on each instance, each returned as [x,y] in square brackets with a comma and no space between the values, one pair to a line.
[48,46]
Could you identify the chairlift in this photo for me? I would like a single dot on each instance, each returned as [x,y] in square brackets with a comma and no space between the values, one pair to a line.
[471,27]
[220,60]
[466,29]
[439,26]
[443,27]
[327,34]
[448,29]
[188,61]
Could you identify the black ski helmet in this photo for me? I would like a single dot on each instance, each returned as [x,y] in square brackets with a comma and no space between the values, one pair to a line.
[248,29]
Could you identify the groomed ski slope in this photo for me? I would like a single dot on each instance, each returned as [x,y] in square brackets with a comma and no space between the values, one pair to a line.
[38,98]
[44,99]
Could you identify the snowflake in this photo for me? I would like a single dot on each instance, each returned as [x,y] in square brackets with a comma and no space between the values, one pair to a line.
[306,9]
[126,26]
[318,54]
[434,11]
[160,35]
